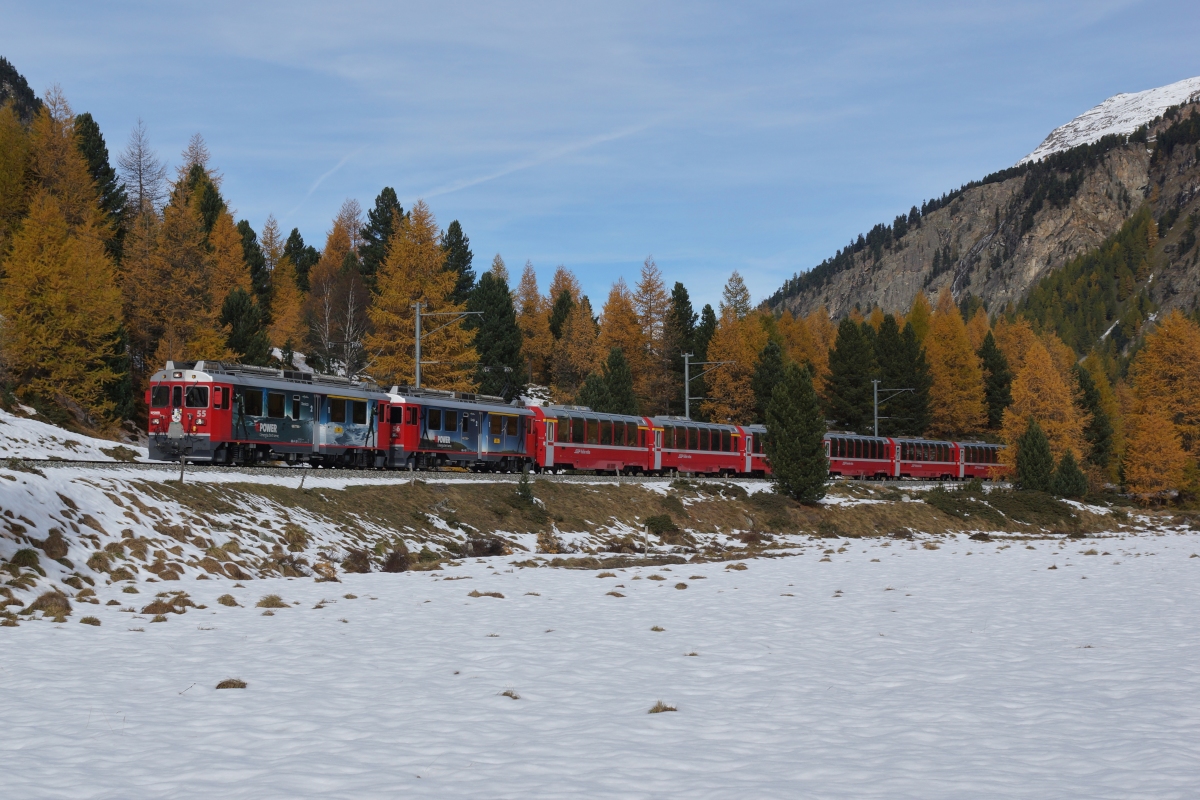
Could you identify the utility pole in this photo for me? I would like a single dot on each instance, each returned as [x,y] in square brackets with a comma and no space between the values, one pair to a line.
[894,392]
[456,315]
[687,379]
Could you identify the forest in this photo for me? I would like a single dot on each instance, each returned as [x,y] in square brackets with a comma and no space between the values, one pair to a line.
[112,265]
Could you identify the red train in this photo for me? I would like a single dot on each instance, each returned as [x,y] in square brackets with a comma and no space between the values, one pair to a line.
[234,414]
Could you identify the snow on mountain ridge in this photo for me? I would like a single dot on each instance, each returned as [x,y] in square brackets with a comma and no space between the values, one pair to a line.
[1121,113]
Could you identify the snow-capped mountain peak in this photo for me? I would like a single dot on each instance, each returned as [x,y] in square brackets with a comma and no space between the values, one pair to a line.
[1121,113]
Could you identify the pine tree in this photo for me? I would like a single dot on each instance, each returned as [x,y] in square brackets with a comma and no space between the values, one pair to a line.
[1099,431]
[679,334]
[795,438]
[735,297]
[108,186]
[1035,463]
[956,400]
[564,304]
[458,261]
[1040,393]
[618,382]
[379,227]
[533,316]
[59,312]
[260,275]
[497,337]
[303,257]
[414,271]
[849,395]
[247,337]
[705,331]
[16,94]
[997,381]
[1069,480]
[768,371]
[594,393]
[901,366]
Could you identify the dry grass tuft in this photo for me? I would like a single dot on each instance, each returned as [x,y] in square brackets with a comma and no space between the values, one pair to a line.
[510,693]
[607,575]
[681,586]
[660,707]
[113,603]
[655,578]
[349,597]
[160,618]
[691,654]
[271,601]
[51,604]
[232,683]
[930,545]
[130,590]
[737,565]
[657,629]
[535,594]
[227,600]
[614,594]
[477,593]
[696,578]
[90,621]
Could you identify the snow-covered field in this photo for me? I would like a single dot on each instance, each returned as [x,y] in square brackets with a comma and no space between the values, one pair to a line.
[889,670]
[22,437]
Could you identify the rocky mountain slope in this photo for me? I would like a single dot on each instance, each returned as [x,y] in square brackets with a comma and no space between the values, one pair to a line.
[997,237]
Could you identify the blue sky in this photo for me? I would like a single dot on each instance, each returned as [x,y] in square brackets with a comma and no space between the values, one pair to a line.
[754,136]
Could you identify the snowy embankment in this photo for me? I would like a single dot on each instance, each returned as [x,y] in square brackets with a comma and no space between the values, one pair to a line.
[22,437]
[880,669]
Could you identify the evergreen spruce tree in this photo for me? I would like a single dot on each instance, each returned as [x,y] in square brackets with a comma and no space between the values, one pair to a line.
[618,381]
[768,371]
[594,393]
[1069,480]
[303,257]
[563,304]
[458,260]
[794,443]
[902,365]
[497,337]
[374,235]
[679,336]
[1035,464]
[109,187]
[849,394]
[260,276]
[1099,431]
[247,334]
[705,331]
[997,381]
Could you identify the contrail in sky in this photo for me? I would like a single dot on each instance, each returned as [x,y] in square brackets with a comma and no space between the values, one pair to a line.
[321,179]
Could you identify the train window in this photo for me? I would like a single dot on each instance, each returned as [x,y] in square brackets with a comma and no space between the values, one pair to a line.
[177,397]
[360,412]
[466,419]
[593,431]
[605,431]
[693,439]
[576,430]
[160,396]
[726,442]
[563,430]
[702,444]
[668,437]
[449,420]
[619,434]
[631,434]
[251,403]
[433,419]
[510,426]
[413,412]
[495,425]
[275,404]
[295,406]
[337,409]
[396,415]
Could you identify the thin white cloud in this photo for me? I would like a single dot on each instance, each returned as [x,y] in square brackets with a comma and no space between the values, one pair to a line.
[321,180]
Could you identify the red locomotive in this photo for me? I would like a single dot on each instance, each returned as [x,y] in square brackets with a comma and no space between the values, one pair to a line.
[234,414]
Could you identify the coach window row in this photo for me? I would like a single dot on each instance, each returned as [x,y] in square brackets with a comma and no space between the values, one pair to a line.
[342,410]
[982,454]
[697,438]
[925,451]
[852,447]
[437,419]
[589,430]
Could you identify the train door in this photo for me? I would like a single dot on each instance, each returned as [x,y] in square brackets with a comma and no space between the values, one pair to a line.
[959,451]
[299,422]
[551,425]
[748,446]
[658,443]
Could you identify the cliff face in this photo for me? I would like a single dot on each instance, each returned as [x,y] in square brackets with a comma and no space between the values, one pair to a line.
[989,253]
[995,240]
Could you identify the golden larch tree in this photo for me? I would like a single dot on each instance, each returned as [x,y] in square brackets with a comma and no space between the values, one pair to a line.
[620,327]
[956,401]
[1109,403]
[229,268]
[578,353]
[1039,391]
[1014,339]
[499,269]
[920,316]
[1062,356]
[563,281]
[652,378]
[1166,376]
[730,394]
[59,310]
[977,329]
[287,307]
[824,334]
[875,318]
[1155,460]
[533,318]
[14,158]
[412,272]
[57,166]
